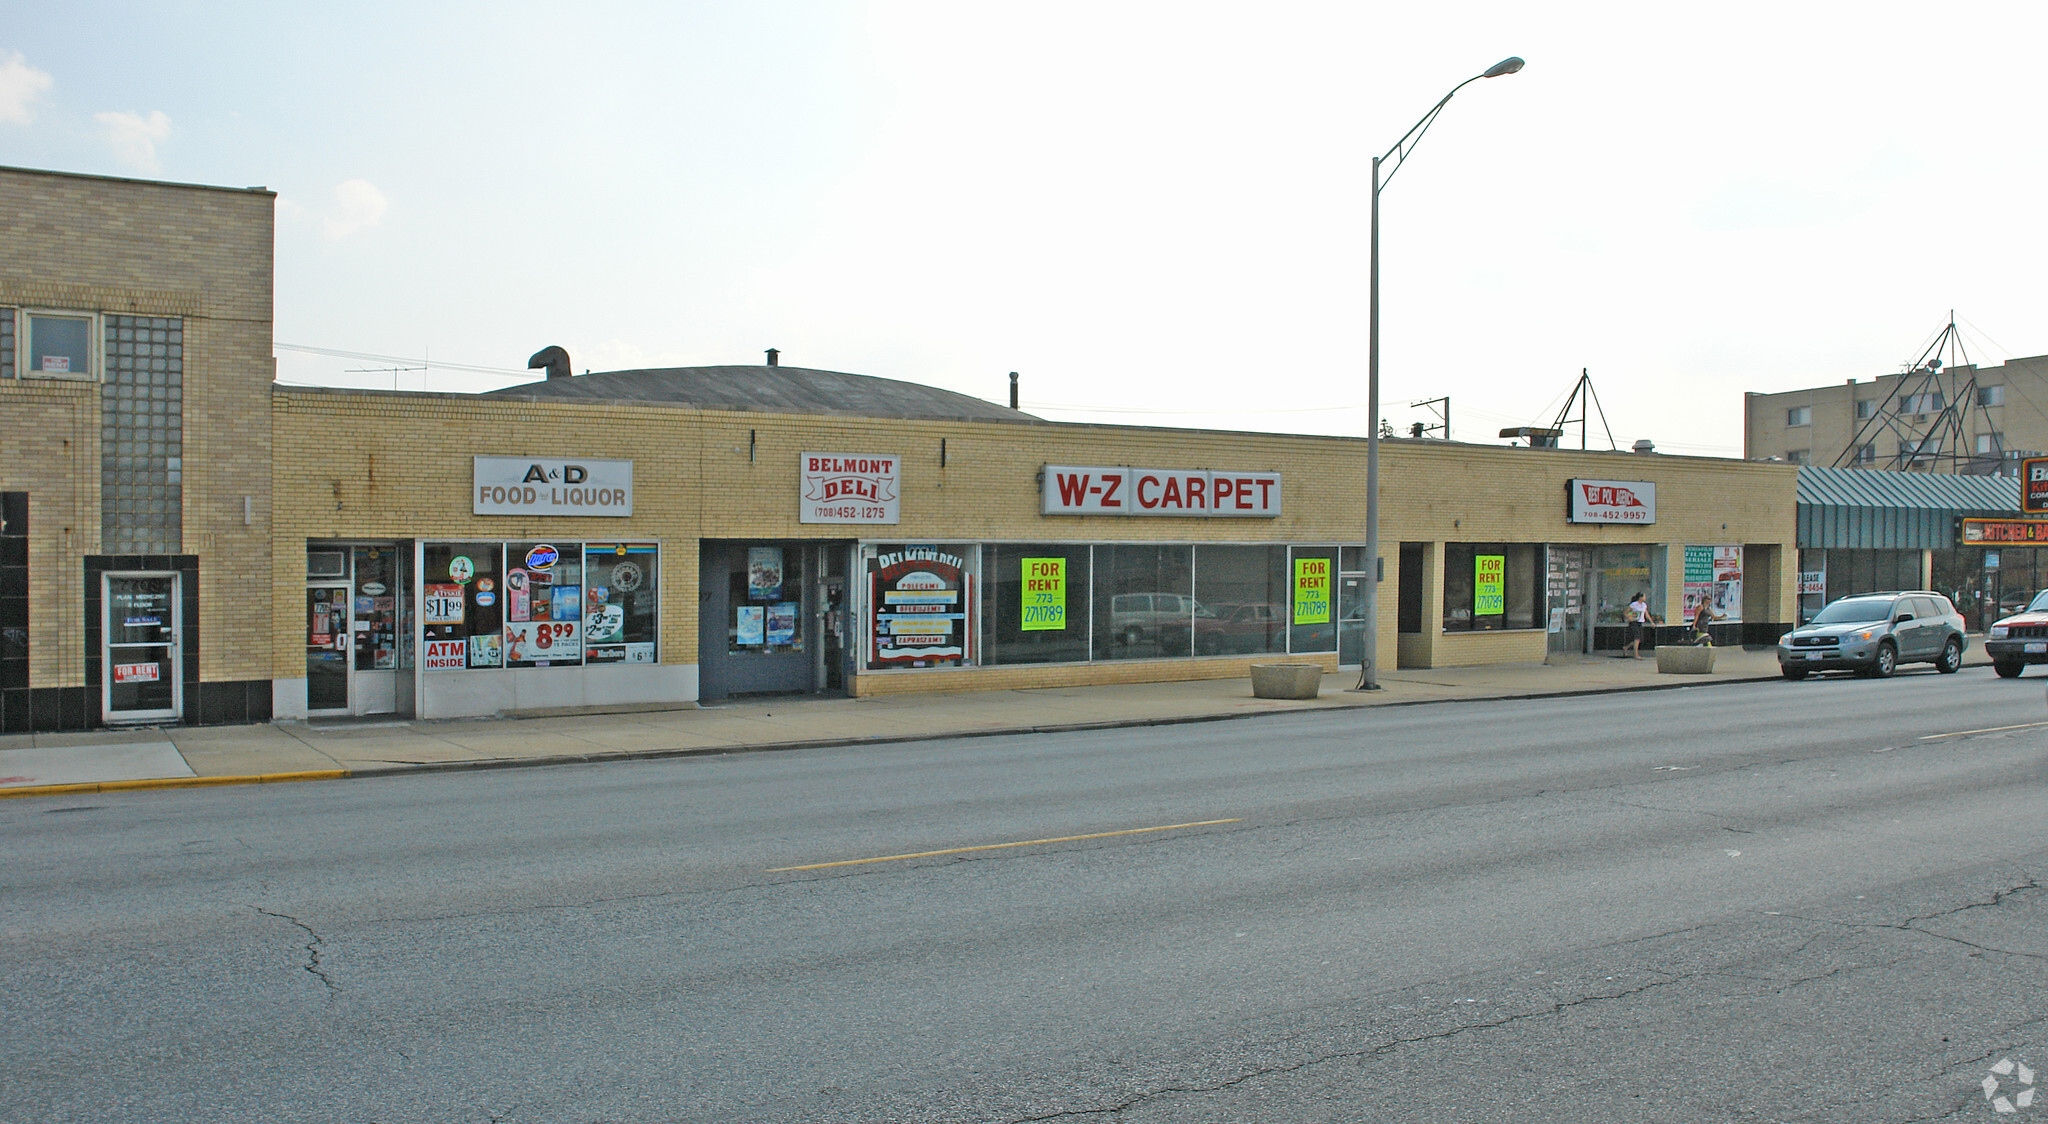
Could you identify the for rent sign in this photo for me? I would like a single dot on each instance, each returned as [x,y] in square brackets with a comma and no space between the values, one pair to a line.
[1084,490]
[1611,501]
[551,486]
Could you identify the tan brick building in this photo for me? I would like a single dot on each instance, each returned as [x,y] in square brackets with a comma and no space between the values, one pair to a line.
[1968,419]
[660,537]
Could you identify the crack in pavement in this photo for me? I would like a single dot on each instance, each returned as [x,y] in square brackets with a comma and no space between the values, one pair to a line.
[312,947]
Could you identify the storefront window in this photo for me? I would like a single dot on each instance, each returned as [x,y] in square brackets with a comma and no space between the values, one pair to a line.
[1034,604]
[527,604]
[918,605]
[1144,602]
[1491,586]
[622,603]
[462,613]
[1713,574]
[543,604]
[1242,599]
[1312,608]
[767,600]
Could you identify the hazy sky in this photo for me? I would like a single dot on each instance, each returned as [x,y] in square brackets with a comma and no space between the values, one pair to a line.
[1157,212]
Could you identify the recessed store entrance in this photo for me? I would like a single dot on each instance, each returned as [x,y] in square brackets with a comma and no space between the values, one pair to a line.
[359,626]
[144,679]
[772,617]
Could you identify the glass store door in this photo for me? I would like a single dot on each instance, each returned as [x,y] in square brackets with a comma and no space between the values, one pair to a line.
[143,680]
[327,642]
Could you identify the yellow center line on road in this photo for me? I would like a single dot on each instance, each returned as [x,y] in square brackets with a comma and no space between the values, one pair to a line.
[999,846]
[1991,730]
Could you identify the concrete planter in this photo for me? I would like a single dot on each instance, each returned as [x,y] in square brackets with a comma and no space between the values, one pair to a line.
[1286,680]
[1685,660]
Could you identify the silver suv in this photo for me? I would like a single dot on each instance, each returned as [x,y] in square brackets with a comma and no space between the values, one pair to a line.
[1873,633]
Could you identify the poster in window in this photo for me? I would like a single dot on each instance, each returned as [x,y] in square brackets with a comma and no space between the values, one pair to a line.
[443,604]
[1311,591]
[1489,585]
[780,627]
[566,602]
[749,623]
[1044,597]
[764,573]
[543,643]
[918,600]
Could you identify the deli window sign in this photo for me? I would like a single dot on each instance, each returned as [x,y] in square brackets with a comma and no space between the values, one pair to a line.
[551,486]
[1611,501]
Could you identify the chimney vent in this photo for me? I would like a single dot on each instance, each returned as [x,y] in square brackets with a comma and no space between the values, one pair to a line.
[1013,390]
[774,357]
[1645,445]
[554,359]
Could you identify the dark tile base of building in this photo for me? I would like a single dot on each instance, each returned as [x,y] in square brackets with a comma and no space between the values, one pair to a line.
[43,710]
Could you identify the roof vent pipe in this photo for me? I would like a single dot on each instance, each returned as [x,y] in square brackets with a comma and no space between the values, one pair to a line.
[1013,390]
[554,359]
[1645,445]
[774,357]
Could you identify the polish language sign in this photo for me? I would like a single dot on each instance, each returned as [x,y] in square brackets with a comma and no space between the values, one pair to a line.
[1611,501]
[1045,594]
[850,488]
[1114,490]
[551,486]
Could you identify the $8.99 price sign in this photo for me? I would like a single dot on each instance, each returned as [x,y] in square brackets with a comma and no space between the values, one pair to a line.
[543,640]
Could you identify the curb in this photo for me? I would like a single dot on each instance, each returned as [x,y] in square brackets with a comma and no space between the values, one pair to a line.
[172,782]
[388,770]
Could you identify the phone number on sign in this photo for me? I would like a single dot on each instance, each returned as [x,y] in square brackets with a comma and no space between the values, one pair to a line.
[849,511]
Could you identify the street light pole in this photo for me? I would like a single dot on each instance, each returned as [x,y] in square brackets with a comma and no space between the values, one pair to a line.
[1368,664]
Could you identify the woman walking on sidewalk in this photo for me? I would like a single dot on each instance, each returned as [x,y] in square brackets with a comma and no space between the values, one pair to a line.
[1638,616]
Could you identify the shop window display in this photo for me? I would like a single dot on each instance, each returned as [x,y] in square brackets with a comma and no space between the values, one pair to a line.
[919,605]
[621,603]
[767,602]
[462,612]
[543,604]
[540,604]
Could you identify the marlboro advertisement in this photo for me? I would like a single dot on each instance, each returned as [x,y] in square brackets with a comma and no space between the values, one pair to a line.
[917,602]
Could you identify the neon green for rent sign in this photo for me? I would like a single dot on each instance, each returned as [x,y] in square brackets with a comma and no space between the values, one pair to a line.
[1045,594]
[1489,585]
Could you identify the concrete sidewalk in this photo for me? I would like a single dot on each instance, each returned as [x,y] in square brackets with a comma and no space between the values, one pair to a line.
[48,764]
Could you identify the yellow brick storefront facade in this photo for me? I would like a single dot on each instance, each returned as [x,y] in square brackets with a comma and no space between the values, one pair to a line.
[397,469]
[184,541]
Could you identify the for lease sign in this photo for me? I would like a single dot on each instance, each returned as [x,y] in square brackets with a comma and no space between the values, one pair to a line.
[1611,501]
[1115,490]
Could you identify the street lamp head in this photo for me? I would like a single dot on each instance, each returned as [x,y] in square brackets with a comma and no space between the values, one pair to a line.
[1504,66]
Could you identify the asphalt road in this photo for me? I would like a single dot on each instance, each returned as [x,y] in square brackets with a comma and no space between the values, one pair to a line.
[1813,901]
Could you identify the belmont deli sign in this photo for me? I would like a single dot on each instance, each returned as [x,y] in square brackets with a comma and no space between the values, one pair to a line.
[551,486]
[1082,490]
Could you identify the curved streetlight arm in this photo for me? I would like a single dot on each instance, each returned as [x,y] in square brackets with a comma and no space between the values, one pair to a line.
[1398,154]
